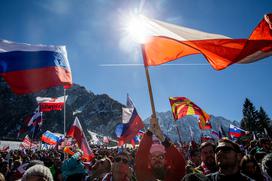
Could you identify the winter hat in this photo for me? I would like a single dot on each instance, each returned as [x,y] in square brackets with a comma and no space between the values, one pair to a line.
[38,171]
[156,146]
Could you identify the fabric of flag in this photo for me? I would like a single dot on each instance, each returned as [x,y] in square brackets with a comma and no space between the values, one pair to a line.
[235,131]
[50,138]
[31,124]
[133,125]
[106,140]
[205,138]
[215,133]
[94,138]
[77,133]
[167,42]
[36,120]
[182,106]
[27,143]
[31,68]
[203,124]
[47,104]
[222,133]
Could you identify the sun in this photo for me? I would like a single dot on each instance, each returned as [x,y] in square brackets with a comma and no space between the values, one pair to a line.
[137,28]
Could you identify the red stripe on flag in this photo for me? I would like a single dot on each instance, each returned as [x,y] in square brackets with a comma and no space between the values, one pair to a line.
[28,81]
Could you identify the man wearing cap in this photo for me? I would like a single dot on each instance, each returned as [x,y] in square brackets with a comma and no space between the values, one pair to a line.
[155,161]
[228,156]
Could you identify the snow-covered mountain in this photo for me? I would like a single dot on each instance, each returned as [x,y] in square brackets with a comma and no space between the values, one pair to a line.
[169,126]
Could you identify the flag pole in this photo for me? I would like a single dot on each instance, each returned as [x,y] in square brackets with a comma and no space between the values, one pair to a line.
[178,133]
[64,112]
[154,117]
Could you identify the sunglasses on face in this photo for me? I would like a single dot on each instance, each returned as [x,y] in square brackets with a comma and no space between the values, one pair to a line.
[118,159]
[224,149]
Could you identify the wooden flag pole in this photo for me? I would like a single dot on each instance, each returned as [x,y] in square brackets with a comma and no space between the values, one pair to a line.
[64,112]
[153,121]
[178,133]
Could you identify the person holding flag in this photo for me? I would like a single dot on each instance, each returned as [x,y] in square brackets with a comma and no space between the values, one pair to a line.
[158,160]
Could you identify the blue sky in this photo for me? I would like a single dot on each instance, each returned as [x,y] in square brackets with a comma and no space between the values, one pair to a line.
[93,31]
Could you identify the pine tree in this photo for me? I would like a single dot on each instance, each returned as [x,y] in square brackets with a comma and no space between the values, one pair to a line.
[250,115]
[263,121]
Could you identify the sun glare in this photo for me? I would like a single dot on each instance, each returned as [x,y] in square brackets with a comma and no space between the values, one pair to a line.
[137,29]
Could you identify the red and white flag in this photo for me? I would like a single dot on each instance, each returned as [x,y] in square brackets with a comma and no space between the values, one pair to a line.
[167,42]
[47,104]
[27,143]
[77,133]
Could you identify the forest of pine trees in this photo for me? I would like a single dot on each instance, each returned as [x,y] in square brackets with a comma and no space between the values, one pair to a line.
[256,121]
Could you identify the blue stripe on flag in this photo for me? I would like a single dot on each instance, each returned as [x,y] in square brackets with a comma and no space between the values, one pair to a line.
[26,60]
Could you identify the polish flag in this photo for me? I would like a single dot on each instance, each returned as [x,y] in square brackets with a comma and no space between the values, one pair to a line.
[167,42]
[77,133]
[47,104]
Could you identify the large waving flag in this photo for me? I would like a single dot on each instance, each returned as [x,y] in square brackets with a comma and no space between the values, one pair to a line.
[235,131]
[168,42]
[31,68]
[47,104]
[182,106]
[77,133]
[131,123]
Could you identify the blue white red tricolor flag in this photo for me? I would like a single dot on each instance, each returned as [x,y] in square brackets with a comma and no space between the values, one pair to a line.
[131,123]
[50,138]
[30,68]
[235,131]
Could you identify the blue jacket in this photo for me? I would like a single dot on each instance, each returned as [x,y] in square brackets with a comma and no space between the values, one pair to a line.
[72,166]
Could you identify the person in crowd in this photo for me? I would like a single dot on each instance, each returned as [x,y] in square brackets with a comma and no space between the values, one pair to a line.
[120,171]
[4,169]
[100,169]
[73,168]
[228,157]
[194,160]
[267,167]
[264,144]
[207,154]
[155,161]
[37,173]
[250,167]
[2,177]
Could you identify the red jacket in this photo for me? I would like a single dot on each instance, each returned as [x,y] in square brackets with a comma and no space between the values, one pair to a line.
[175,163]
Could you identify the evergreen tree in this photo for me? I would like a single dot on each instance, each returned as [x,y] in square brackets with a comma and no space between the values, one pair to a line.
[263,121]
[250,115]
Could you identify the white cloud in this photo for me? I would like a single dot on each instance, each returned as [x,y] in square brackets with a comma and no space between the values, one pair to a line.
[61,7]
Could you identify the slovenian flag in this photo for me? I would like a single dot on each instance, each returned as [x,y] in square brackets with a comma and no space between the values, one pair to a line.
[235,131]
[31,68]
[167,42]
[131,123]
[50,138]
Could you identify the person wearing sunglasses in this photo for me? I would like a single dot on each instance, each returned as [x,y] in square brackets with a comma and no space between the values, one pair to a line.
[120,170]
[228,156]
[158,161]
[100,169]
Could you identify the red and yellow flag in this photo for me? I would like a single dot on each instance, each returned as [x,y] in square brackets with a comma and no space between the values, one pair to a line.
[182,106]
